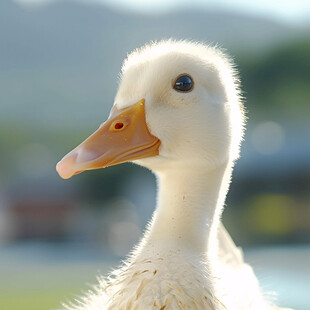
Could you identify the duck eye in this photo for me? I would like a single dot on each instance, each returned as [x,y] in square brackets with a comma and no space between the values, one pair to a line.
[183,83]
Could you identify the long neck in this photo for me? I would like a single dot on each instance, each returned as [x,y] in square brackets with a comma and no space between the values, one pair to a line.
[188,208]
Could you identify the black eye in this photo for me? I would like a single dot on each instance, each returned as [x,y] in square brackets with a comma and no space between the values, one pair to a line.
[183,83]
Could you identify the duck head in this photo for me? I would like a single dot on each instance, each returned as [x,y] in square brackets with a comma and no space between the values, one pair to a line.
[177,106]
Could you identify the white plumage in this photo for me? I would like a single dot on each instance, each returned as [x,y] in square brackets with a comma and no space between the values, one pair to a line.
[186,259]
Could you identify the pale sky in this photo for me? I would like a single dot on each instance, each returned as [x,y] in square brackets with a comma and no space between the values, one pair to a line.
[292,11]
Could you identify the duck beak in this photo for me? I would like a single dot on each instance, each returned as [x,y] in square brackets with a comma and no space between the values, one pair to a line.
[123,137]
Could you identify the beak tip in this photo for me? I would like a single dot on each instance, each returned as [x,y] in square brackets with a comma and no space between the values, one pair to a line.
[62,171]
[65,167]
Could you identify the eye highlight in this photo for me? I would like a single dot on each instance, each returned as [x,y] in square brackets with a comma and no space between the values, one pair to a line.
[183,83]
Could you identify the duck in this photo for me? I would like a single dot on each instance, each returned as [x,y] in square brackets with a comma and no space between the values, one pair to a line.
[178,112]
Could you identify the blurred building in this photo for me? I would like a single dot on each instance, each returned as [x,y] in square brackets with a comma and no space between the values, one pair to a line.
[36,210]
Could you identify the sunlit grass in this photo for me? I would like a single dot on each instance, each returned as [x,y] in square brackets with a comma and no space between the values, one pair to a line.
[46,288]
[36,300]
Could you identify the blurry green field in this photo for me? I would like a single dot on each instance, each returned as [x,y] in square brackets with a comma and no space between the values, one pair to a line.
[34,300]
[45,287]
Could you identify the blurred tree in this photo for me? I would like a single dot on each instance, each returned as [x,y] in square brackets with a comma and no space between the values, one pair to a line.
[279,80]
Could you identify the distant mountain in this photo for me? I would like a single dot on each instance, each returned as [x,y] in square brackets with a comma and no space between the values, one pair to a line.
[59,62]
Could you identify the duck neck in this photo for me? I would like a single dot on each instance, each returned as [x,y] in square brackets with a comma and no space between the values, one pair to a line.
[188,208]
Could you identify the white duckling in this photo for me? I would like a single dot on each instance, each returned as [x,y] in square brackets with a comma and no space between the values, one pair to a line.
[177,112]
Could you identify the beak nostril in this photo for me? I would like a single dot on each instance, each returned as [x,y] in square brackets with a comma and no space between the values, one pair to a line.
[118,126]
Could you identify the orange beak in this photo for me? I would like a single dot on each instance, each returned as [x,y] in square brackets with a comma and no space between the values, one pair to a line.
[123,137]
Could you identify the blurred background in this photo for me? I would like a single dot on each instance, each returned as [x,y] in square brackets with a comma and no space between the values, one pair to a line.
[59,62]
